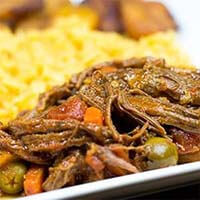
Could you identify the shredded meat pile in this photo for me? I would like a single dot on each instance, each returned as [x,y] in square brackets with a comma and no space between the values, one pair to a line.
[133,100]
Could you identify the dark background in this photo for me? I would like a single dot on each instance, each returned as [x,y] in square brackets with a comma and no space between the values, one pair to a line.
[185,193]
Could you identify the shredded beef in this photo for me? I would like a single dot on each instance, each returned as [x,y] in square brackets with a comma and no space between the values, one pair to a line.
[139,98]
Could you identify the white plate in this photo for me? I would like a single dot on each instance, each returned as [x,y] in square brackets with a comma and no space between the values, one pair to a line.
[187,15]
[130,185]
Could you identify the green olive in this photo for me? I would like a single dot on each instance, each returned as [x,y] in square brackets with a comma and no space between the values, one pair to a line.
[12,177]
[160,153]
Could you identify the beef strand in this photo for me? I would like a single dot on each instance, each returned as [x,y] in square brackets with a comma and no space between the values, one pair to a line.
[16,147]
[65,172]
[139,98]
[53,142]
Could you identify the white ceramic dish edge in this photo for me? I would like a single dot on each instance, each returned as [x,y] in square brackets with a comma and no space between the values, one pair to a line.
[120,187]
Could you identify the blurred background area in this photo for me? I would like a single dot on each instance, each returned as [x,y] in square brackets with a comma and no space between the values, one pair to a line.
[187,15]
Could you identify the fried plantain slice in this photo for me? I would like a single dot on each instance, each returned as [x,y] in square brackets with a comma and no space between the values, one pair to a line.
[142,18]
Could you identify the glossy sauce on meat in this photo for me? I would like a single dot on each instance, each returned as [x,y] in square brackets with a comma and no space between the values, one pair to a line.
[113,119]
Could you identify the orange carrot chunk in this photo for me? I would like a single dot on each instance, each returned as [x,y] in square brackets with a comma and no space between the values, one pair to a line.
[93,115]
[33,180]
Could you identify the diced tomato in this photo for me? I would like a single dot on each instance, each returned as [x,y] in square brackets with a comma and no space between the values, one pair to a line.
[73,108]
[186,142]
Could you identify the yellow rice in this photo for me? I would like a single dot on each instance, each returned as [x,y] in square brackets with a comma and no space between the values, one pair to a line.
[32,61]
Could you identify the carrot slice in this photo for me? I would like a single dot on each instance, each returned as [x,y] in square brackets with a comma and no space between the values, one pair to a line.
[93,115]
[33,180]
[6,157]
